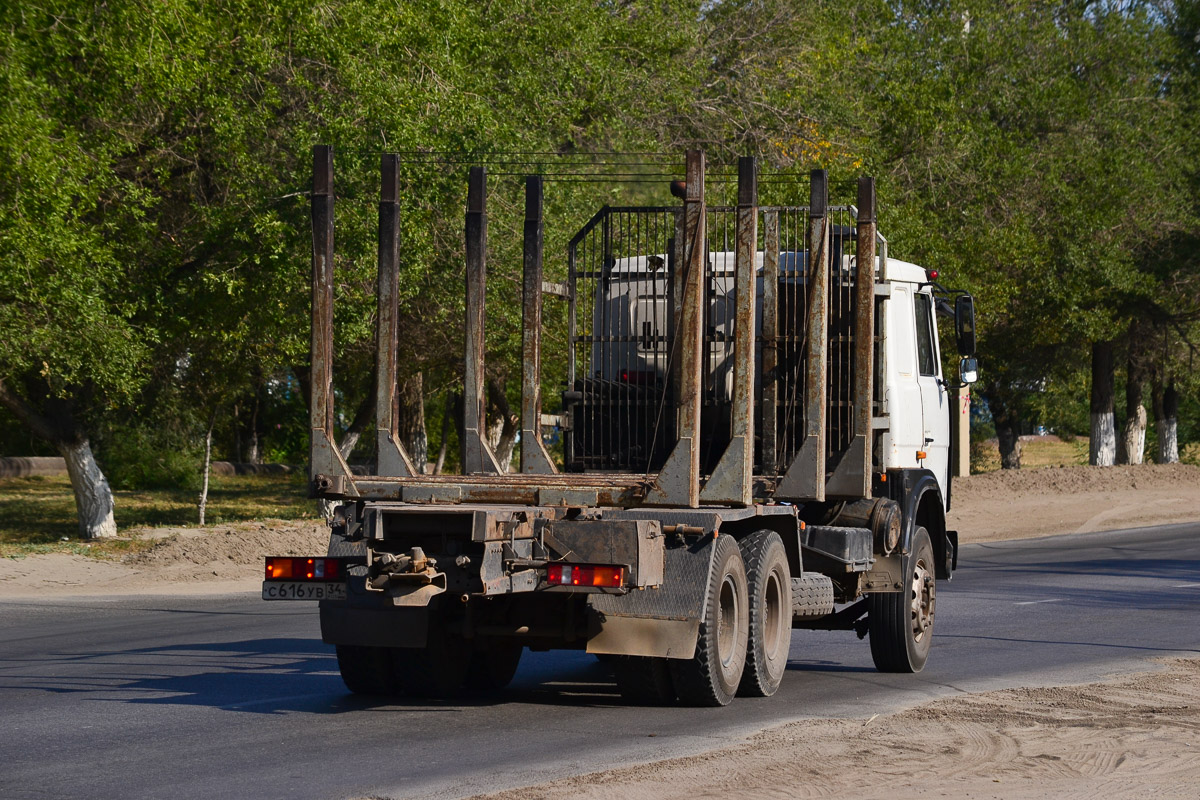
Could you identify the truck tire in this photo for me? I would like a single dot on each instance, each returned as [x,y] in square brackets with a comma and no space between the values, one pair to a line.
[644,681]
[901,623]
[812,596]
[711,677]
[438,670]
[367,670]
[769,585]
[494,666]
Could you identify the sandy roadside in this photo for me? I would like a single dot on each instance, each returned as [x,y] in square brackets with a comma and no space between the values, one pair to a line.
[1138,736]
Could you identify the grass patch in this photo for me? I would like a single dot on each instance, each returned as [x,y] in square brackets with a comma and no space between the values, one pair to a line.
[38,513]
[1041,452]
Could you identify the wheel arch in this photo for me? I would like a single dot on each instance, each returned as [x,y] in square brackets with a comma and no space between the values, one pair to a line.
[920,498]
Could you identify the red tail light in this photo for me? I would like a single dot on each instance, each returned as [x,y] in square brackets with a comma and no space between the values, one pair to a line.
[280,568]
[572,575]
[639,377]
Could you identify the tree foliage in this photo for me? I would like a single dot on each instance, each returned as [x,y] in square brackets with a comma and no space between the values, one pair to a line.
[154,242]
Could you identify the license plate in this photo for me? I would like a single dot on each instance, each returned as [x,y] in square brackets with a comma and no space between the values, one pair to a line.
[303,590]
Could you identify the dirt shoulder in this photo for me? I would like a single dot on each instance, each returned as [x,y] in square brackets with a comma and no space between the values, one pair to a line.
[1018,504]
[995,505]
[1138,736]
[217,559]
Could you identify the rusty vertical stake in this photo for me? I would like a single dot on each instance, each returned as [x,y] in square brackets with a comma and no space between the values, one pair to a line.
[678,483]
[770,333]
[675,319]
[534,458]
[864,324]
[805,478]
[321,396]
[321,449]
[732,479]
[391,458]
[477,456]
[324,458]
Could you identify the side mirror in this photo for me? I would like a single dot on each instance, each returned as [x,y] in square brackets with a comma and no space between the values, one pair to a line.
[964,324]
[968,370]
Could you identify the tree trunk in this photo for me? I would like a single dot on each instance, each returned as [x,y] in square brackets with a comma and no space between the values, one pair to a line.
[253,452]
[502,429]
[1166,421]
[93,495]
[207,467]
[1133,437]
[1103,446]
[411,418]
[237,433]
[1007,432]
[447,419]
[362,418]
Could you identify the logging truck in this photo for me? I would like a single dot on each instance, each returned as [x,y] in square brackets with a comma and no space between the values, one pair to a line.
[753,437]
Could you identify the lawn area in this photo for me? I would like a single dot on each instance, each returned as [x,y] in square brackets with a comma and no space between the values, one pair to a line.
[1040,451]
[37,512]
[1050,451]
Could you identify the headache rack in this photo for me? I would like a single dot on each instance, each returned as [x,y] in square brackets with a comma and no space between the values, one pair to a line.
[716,355]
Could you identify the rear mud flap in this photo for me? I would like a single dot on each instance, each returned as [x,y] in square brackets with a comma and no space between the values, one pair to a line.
[660,621]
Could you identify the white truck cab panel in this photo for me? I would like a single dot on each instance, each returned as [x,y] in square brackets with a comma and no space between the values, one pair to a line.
[915,395]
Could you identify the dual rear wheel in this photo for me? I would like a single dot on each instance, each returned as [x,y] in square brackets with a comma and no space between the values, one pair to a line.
[743,642]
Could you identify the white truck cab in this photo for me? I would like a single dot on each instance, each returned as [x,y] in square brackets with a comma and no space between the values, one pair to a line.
[916,399]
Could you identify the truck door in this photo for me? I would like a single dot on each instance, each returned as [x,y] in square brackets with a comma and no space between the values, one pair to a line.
[934,397]
[906,431]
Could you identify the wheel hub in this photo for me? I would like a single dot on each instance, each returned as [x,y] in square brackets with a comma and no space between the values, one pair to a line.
[923,599]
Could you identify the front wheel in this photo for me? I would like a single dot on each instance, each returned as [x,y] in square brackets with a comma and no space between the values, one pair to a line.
[901,623]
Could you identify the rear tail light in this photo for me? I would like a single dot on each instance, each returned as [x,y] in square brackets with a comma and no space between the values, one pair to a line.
[303,569]
[572,575]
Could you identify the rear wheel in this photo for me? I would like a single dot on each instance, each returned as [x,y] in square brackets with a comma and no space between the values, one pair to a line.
[711,677]
[493,667]
[769,585]
[366,670]
[643,680]
[437,670]
[901,623]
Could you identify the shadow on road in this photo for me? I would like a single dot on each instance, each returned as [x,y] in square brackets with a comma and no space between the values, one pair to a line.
[275,676]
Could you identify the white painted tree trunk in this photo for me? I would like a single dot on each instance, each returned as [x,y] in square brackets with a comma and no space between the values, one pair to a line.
[1103,445]
[93,496]
[1168,441]
[207,471]
[1134,438]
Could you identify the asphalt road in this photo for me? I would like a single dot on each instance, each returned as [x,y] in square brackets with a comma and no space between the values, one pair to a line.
[234,697]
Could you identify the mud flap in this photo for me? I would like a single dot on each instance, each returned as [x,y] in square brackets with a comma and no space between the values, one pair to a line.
[945,570]
[659,621]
